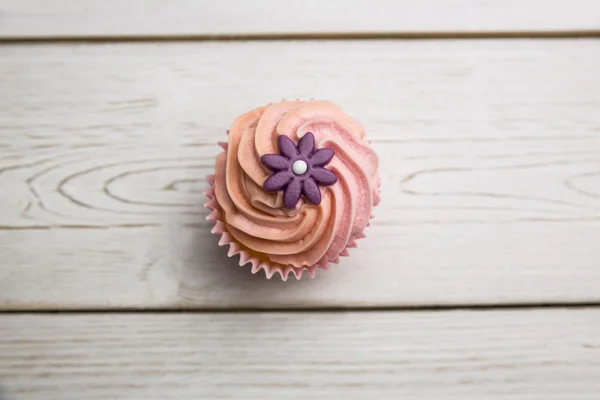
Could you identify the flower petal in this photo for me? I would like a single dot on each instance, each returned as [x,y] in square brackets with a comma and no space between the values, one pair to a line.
[275,162]
[287,147]
[311,191]
[292,193]
[323,176]
[321,157]
[277,181]
[306,144]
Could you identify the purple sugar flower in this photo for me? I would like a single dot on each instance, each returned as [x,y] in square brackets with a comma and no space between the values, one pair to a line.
[298,170]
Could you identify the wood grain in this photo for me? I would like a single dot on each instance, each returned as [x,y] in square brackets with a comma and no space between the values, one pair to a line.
[528,354]
[490,158]
[205,18]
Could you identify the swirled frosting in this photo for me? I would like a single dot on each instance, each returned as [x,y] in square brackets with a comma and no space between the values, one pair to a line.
[307,235]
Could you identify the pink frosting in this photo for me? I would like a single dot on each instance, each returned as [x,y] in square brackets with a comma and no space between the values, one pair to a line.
[309,235]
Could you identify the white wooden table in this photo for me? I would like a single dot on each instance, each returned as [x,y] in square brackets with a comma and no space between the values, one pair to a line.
[478,279]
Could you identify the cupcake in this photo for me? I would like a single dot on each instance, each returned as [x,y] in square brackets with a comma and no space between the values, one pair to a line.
[294,187]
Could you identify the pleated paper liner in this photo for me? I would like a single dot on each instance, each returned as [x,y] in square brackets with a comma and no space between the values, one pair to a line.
[248,256]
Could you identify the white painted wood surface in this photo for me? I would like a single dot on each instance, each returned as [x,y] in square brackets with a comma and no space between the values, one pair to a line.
[491,168]
[490,154]
[143,18]
[527,354]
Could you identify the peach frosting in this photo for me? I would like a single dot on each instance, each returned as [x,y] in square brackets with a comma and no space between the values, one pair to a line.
[309,235]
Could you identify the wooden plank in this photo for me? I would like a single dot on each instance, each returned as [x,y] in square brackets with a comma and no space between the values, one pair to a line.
[527,354]
[205,18]
[490,152]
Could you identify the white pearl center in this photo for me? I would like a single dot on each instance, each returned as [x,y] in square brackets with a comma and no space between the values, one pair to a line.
[299,167]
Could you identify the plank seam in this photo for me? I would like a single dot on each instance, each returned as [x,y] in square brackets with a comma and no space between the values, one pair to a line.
[305,36]
[236,310]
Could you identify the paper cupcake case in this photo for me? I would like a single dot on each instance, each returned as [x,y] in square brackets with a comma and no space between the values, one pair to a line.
[246,256]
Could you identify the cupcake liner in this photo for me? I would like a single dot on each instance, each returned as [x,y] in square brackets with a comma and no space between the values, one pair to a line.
[235,248]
